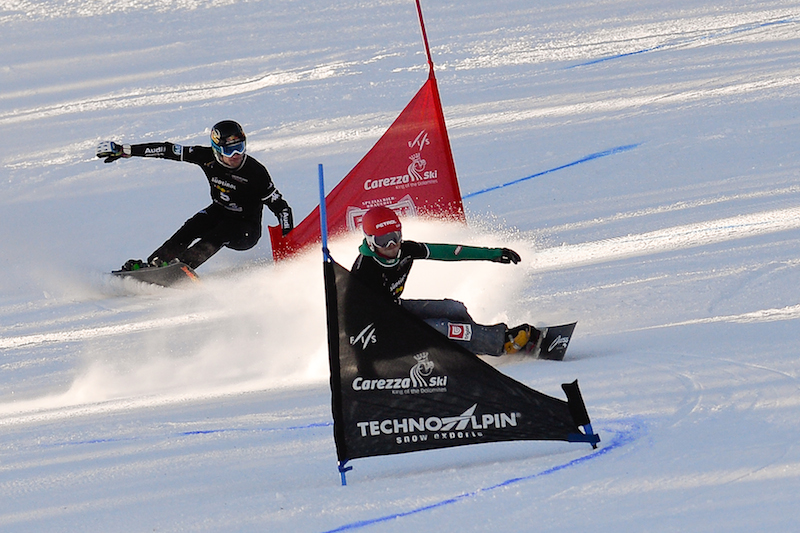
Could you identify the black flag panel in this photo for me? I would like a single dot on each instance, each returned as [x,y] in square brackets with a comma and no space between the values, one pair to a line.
[400,386]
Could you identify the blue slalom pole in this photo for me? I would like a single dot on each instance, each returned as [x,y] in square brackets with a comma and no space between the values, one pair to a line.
[323,217]
[326,257]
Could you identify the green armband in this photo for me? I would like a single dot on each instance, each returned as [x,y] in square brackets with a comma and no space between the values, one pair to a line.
[459,252]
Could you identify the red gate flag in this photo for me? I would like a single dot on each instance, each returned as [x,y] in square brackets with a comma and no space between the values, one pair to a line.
[410,169]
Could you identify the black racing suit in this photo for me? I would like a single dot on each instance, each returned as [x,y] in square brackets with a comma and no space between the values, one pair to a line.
[234,217]
[449,317]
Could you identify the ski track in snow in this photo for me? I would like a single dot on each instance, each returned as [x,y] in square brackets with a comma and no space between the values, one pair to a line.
[791,312]
[173,95]
[668,239]
[671,208]
[103,331]
[704,35]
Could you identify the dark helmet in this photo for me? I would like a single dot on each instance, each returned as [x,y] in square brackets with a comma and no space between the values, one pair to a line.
[381,227]
[228,139]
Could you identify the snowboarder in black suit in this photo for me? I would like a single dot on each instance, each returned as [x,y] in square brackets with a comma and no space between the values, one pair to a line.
[385,260]
[240,187]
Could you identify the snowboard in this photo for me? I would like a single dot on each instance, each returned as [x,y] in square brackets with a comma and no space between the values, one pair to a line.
[556,341]
[166,276]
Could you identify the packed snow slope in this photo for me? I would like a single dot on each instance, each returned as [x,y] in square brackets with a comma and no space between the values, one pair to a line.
[641,156]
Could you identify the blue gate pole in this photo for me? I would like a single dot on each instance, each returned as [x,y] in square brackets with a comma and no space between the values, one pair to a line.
[326,256]
[323,217]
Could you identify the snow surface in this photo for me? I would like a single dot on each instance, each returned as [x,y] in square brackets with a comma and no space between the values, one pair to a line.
[661,210]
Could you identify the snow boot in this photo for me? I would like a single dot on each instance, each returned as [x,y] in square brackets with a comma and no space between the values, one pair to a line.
[517,338]
[158,262]
[134,264]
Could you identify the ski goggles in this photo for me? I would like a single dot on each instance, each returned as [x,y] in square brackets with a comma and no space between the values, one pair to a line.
[231,149]
[387,240]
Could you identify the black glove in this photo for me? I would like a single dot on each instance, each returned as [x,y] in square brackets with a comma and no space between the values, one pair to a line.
[508,255]
[112,151]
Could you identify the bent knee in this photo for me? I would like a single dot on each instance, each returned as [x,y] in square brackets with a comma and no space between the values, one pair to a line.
[245,242]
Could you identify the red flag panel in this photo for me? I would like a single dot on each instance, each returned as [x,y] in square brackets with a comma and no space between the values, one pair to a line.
[410,169]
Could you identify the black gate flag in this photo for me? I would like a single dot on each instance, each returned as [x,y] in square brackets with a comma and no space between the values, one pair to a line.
[400,386]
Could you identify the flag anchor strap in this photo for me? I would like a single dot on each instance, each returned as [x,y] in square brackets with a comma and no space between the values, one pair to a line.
[588,436]
[343,470]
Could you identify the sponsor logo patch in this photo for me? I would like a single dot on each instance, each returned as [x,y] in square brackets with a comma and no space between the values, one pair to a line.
[155,151]
[559,342]
[420,378]
[464,426]
[365,337]
[459,332]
